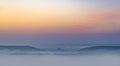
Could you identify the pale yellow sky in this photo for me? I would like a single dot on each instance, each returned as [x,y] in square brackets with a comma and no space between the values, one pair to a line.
[31,15]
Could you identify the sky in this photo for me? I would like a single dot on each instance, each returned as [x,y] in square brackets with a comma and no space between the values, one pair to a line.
[59,22]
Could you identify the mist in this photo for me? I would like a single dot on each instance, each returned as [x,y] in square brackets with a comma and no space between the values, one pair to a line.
[59,60]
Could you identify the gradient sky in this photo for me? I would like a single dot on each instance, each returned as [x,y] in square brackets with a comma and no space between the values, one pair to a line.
[53,22]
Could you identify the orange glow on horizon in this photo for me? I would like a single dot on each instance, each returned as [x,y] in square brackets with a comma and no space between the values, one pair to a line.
[25,16]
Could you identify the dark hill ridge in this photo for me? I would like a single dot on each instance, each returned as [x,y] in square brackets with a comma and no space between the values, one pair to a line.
[31,48]
[102,48]
[24,48]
